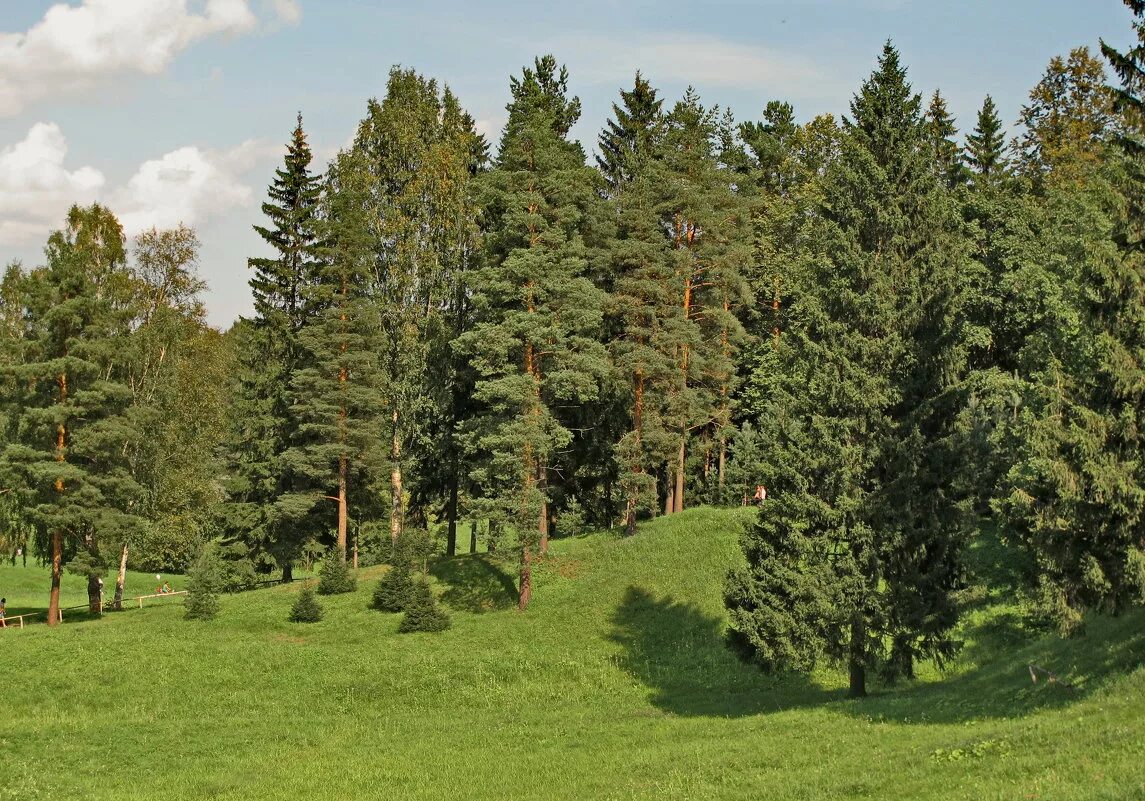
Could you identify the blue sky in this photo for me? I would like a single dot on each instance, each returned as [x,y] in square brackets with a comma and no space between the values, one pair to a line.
[176,110]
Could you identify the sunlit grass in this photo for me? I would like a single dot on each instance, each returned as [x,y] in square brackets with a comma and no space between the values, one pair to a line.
[614,685]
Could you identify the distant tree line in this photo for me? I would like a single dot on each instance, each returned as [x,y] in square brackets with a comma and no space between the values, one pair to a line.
[897,332]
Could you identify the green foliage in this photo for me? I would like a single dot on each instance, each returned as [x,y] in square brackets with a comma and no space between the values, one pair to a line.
[393,590]
[422,611]
[335,576]
[204,583]
[306,609]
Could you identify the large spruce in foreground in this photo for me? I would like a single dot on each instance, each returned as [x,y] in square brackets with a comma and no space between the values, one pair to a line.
[855,554]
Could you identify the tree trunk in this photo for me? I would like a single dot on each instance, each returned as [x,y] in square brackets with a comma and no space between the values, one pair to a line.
[630,518]
[543,523]
[472,536]
[451,511]
[721,465]
[288,573]
[94,594]
[395,483]
[858,656]
[491,538]
[121,577]
[678,495]
[526,593]
[343,470]
[54,596]
[669,497]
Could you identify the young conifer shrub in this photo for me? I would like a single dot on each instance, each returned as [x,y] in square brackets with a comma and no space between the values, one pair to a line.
[204,582]
[336,577]
[306,609]
[422,612]
[393,591]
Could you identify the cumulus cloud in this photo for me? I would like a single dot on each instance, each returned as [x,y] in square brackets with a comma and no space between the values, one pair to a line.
[73,47]
[190,185]
[35,185]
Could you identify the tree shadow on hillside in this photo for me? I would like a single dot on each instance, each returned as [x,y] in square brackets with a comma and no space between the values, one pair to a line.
[475,583]
[679,652]
[999,685]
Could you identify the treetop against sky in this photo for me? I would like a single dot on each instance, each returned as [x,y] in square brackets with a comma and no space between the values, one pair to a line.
[176,111]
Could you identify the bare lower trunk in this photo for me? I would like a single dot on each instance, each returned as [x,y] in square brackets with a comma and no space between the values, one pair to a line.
[858,657]
[721,465]
[343,469]
[543,523]
[451,512]
[395,483]
[526,593]
[630,518]
[54,596]
[288,573]
[121,577]
[94,595]
[491,538]
[678,495]
[669,498]
[472,536]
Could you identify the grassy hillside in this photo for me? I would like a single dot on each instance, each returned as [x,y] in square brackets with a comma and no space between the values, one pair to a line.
[614,685]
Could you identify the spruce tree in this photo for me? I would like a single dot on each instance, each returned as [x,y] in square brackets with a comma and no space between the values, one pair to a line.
[422,611]
[306,608]
[335,577]
[986,146]
[858,501]
[204,583]
[270,355]
[535,347]
[631,134]
[941,132]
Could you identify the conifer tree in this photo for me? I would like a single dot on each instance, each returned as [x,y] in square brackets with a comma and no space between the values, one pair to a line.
[630,136]
[986,146]
[941,132]
[306,608]
[69,430]
[270,356]
[535,346]
[338,450]
[857,500]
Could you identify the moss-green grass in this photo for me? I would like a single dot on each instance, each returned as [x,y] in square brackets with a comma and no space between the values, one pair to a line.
[614,685]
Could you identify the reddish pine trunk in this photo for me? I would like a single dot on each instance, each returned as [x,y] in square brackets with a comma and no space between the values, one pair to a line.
[343,470]
[526,593]
[54,597]
[678,495]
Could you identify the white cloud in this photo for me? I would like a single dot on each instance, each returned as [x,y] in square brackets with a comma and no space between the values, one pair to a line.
[189,185]
[288,11]
[35,186]
[698,59]
[73,47]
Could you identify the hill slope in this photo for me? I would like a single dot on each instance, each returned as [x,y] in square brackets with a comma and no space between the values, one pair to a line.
[614,685]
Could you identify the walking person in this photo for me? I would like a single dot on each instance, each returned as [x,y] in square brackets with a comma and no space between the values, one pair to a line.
[3,612]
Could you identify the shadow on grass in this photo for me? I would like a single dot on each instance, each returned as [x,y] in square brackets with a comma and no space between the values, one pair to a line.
[678,652]
[475,583]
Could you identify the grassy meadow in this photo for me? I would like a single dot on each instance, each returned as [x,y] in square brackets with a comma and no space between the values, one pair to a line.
[614,685]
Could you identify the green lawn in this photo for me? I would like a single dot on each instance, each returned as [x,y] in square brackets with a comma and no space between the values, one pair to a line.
[614,685]
[26,589]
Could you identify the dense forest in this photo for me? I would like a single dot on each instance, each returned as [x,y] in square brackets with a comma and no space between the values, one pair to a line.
[905,332]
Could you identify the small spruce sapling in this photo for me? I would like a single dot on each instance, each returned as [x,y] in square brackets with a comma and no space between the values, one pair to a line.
[204,582]
[393,591]
[336,577]
[422,612]
[306,609]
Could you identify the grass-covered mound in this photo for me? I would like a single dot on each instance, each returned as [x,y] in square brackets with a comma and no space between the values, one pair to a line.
[614,685]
